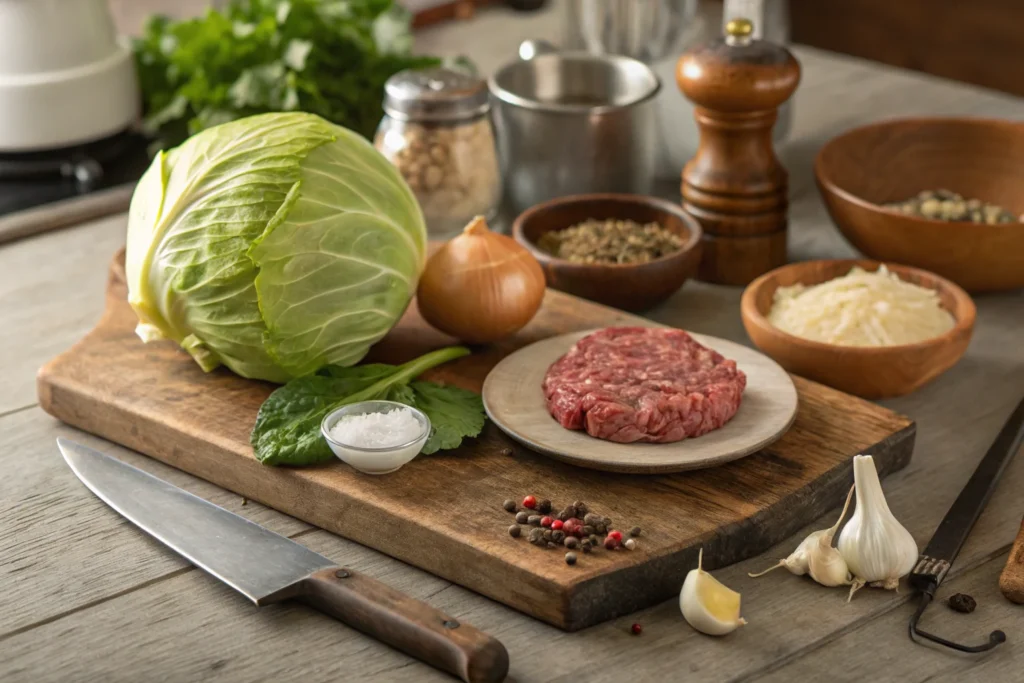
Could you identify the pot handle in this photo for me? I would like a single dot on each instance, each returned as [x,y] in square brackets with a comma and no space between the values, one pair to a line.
[528,49]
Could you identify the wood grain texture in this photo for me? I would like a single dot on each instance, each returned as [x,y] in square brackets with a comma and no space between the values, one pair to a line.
[891,161]
[515,403]
[870,372]
[631,287]
[734,185]
[1011,580]
[160,403]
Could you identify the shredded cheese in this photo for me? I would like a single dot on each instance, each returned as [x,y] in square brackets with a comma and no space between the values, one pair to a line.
[861,308]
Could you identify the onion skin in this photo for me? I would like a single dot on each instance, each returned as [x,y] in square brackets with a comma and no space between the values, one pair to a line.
[481,286]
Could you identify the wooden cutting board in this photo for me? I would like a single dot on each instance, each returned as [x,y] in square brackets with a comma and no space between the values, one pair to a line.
[444,512]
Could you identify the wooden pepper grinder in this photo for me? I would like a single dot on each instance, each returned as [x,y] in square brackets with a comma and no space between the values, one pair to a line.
[734,186]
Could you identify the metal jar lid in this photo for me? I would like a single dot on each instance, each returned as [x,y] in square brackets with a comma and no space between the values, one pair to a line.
[434,95]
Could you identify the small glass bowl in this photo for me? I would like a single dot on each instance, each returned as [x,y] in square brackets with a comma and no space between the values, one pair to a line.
[375,460]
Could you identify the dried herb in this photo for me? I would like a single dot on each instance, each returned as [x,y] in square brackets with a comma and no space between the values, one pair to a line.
[944,205]
[610,241]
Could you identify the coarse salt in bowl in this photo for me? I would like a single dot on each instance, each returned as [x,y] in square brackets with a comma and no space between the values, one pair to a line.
[376,437]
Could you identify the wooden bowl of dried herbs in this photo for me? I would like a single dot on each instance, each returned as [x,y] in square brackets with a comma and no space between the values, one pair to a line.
[626,251]
[942,194]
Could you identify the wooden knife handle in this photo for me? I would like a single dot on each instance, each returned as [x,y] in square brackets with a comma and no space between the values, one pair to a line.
[409,625]
[1011,581]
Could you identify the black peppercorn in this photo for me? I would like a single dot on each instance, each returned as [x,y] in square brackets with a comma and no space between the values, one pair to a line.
[534,520]
[522,517]
[536,535]
[634,532]
[570,559]
[509,505]
[588,530]
[601,528]
[586,547]
[594,541]
[544,507]
[514,531]
[607,522]
[581,508]
[961,602]
[558,536]
[548,535]
[571,542]
[567,513]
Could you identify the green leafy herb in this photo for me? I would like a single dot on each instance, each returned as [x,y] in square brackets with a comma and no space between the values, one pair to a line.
[287,430]
[327,57]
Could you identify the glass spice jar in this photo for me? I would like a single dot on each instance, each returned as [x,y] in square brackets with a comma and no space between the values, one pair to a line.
[437,132]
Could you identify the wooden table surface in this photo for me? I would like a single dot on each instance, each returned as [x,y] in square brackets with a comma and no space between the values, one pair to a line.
[86,597]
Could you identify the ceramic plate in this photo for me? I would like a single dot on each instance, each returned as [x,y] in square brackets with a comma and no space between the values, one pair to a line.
[515,402]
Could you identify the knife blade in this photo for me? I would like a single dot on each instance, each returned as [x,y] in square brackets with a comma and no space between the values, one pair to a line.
[267,567]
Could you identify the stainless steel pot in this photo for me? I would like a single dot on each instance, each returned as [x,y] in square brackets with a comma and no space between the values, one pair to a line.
[572,122]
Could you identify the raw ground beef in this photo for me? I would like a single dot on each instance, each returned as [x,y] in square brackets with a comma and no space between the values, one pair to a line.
[628,384]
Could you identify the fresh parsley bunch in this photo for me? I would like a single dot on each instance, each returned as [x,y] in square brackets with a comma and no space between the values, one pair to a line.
[327,57]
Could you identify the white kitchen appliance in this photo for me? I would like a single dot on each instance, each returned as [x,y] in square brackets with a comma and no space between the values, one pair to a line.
[65,78]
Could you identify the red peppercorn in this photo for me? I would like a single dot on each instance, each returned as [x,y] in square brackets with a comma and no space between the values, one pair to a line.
[617,535]
[610,543]
[637,629]
[545,521]
[557,524]
[529,502]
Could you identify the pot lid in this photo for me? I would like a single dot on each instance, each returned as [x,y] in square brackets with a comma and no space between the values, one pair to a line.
[435,94]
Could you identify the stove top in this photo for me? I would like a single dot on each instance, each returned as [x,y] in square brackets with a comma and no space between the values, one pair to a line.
[32,180]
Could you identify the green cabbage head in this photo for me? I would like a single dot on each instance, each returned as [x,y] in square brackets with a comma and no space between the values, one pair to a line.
[274,245]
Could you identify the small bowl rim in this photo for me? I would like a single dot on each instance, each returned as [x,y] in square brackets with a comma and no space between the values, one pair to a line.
[325,430]
[833,187]
[961,324]
[693,226]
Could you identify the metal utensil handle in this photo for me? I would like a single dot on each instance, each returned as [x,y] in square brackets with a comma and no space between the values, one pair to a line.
[407,624]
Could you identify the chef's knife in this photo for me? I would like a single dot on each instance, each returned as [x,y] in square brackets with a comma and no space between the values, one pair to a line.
[267,567]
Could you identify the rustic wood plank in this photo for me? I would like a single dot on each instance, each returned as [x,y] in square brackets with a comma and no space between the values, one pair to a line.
[61,545]
[50,294]
[159,402]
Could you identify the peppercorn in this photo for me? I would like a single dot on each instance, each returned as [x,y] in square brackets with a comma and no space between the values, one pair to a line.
[617,535]
[514,531]
[636,629]
[534,520]
[607,521]
[544,506]
[588,530]
[961,602]
[509,505]
[601,528]
[591,518]
[610,543]
[630,544]
[571,542]
[557,524]
[570,559]
[567,513]
[529,502]
[570,527]
[552,544]
[557,536]
[586,547]
[536,535]
[522,517]
[506,451]
[594,540]
[581,508]
[546,521]
[634,532]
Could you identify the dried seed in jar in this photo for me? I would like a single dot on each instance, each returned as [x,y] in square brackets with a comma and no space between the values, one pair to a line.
[571,542]
[534,520]
[522,517]
[610,241]
[570,558]
[509,505]
[544,506]
[557,536]
[630,544]
[515,531]
[634,532]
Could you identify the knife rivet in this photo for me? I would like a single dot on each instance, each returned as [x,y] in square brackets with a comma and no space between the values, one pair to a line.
[342,574]
[450,623]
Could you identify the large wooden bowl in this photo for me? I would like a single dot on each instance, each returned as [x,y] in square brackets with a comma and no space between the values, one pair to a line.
[631,287]
[869,372]
[894,160]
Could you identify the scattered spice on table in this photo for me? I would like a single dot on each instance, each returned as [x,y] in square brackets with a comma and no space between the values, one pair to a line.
[514,531]
[634,532]
[509,505]
[630,544]
[945,205]
[568,530]
[522,517]
[530,502]
[636,629]
[544,507]
[961,602]
[534,520]
[610,241]
[570,558]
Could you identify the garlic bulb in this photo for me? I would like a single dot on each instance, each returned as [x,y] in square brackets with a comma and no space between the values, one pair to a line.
[707,605]
[816,556]
[876,547]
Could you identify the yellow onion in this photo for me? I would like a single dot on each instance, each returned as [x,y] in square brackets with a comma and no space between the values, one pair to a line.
[480,286]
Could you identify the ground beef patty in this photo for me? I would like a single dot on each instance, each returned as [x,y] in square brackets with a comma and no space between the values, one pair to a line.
[630,384]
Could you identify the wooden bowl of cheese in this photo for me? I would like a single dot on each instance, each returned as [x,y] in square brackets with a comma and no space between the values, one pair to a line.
[870,329]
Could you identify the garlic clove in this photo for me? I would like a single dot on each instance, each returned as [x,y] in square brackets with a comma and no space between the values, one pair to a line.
[708,605]
[878,549]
